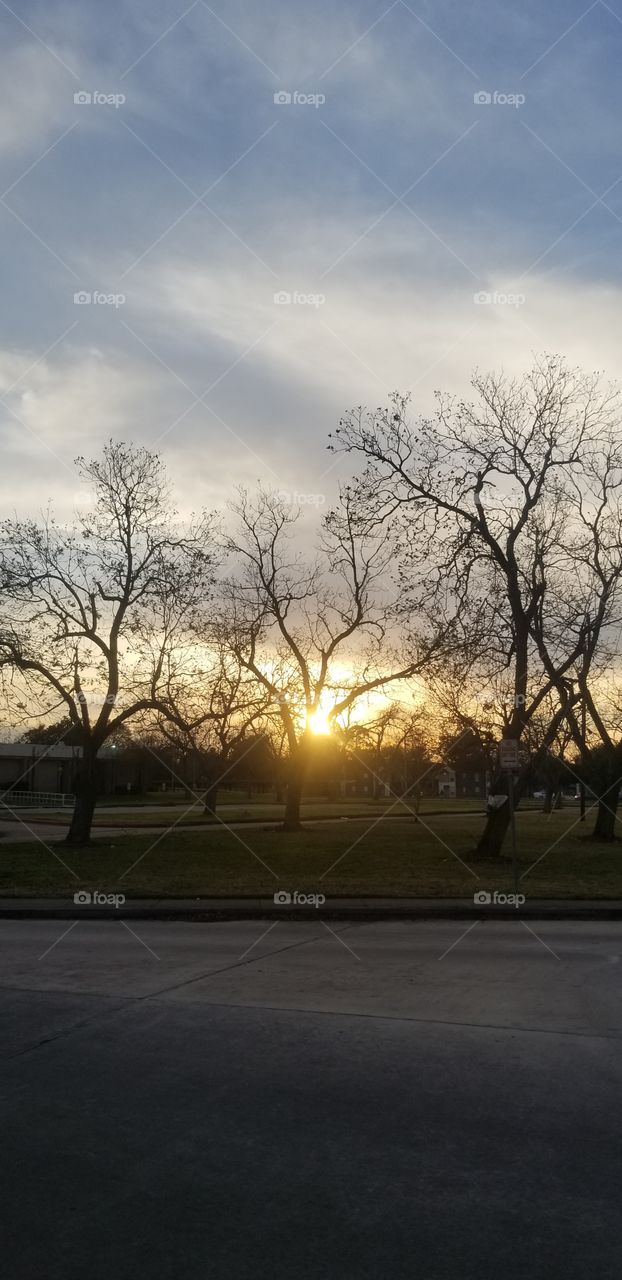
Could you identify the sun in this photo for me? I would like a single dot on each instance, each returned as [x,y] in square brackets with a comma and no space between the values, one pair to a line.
[319,722]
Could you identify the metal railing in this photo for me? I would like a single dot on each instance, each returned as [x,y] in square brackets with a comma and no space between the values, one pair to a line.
[35,800]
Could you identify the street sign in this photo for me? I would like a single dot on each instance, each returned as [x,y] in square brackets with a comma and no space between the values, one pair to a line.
[508,754]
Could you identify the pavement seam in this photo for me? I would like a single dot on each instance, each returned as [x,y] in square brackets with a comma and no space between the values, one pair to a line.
[237,964]
[64,1031]
[324,1013]
[397,1017]
[153,995]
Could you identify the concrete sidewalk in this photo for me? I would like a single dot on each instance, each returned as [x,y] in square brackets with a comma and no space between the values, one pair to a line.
[29,825]
[248,908]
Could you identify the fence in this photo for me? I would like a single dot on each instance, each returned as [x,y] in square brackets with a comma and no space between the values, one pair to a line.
[35,800]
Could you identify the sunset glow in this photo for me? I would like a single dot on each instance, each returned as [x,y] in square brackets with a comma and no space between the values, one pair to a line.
[319,722]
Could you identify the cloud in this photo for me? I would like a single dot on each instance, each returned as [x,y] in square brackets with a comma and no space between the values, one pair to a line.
[35,100]
[303,201]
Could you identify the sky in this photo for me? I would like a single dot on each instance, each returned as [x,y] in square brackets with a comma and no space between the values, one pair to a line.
[225,224]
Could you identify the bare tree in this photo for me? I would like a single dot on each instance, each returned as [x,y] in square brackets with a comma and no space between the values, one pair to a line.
[91,613]
[319,636]
[392,747]
[485,493]
[214,708]
[551,766]
[581,607]
[476,697]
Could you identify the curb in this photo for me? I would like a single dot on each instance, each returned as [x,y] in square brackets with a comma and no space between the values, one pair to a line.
[214,909]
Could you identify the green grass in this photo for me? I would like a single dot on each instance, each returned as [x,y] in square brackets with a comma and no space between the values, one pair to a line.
[401,858]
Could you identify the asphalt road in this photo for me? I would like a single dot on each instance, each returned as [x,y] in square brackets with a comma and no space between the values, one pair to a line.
[366,1100]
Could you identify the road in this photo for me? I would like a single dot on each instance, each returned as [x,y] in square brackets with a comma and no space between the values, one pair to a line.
[294,1100]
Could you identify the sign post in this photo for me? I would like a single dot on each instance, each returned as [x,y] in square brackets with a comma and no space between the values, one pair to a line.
[509,763]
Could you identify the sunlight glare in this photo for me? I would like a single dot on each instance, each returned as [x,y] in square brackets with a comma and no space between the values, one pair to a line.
[319,722]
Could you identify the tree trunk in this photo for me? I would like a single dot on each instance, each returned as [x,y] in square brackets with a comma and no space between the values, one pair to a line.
[295,783]
[210,800]
[79,832]
[291,821]
[547,807]
[604,827]
[491,840]
[497,823]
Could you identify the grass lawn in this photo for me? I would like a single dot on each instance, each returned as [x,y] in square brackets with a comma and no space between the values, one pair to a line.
[401,858]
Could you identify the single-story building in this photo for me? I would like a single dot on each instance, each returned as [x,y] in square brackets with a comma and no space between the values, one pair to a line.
[25,766]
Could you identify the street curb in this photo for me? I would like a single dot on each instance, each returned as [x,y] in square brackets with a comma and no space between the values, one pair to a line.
[215,909]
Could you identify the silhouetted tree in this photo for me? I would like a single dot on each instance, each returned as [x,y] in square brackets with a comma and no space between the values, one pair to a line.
[218,707]
[484,494]
[91,613]
[320,636]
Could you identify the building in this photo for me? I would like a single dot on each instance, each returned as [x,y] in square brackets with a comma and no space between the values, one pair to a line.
[25,766]
[34,767]
[457,784]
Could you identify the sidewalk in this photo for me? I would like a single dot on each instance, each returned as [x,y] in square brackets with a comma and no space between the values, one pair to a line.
[198,909]
[49,818]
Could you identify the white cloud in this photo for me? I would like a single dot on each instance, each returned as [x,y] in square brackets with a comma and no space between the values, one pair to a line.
[376,331]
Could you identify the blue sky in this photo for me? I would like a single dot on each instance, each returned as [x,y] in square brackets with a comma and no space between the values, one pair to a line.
[382,211]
